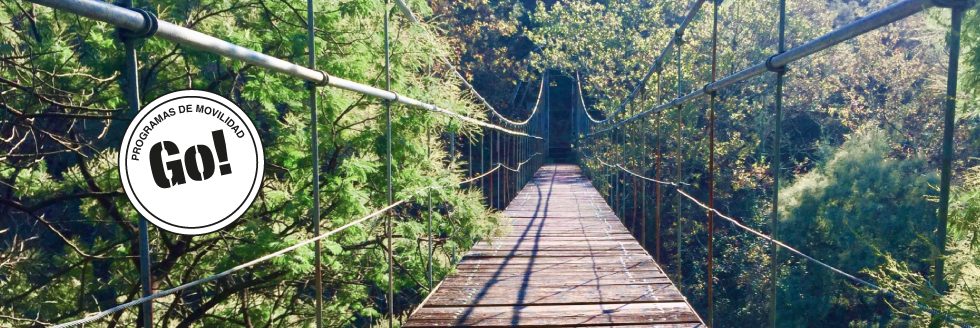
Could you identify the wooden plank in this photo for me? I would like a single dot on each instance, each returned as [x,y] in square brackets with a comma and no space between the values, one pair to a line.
[516,282]
[575,250]
[583,268]
[567,261]
[554,260]
[556,316]
[551,295]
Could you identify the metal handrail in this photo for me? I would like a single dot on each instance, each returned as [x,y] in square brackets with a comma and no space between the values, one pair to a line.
[866,24]
[657,65]
[411,16]
[132,20]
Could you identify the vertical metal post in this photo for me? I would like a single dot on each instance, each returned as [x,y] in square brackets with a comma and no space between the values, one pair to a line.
[500,173]
[469,156]
[388,137]
[452,149]
[619,173]
[483,161]
[315,150]
[612,139]
[428,196]
[547,117]
[491,178]
[777,143]
[520,157]
[620,176]
[516,155]
[577,116]
[624,159]
[634,206]
[949,127]
[508,153]
[131,69]
[680,166]
[600,147]
[614,147]
[711,166]
[607,174]
[658,191]
[617,148]
[627,180]
[644,160]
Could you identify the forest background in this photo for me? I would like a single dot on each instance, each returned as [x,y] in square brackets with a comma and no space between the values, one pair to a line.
[859,178]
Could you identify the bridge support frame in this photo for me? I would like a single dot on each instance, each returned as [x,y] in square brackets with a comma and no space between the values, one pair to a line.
[957,7]
[132,91]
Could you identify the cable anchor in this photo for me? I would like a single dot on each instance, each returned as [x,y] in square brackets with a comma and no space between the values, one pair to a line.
[709,91]
[772,68]
[679,36]
[322,82]
[150,25]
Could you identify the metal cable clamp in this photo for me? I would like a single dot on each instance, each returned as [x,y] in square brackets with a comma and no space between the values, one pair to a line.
[150,25]
[772,68]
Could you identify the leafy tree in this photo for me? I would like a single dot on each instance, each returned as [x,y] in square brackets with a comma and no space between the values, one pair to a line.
[853,200]
[885,79]
[915,296]
[861,203]
[493,50]
[69,234]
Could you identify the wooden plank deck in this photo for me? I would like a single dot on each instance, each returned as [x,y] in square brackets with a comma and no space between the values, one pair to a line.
[567,262]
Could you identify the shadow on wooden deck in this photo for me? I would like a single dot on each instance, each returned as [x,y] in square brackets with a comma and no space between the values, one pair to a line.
[568,262]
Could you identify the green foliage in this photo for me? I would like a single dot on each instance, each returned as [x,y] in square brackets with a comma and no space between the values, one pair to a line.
[68,232]
[965,209]
[859,206]
[970,72]
[915,295]
[857,197]
[494,51]
[886,80]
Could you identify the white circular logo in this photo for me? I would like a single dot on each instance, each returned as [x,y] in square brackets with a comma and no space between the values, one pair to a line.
[191,162]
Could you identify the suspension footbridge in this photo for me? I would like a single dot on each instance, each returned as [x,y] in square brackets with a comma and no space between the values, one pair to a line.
[567,261]
[568,258]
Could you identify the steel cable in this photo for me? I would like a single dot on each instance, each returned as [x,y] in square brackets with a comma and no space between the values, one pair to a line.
[267,257]
[411,16]
[778,243]
[518,169]
[657,63]
[132,20]
[870,22]
[227,272]
[677,186]
[578,90]
[750,230]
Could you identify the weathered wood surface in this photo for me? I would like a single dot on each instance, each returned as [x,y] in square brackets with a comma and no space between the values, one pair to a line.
[567,262]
